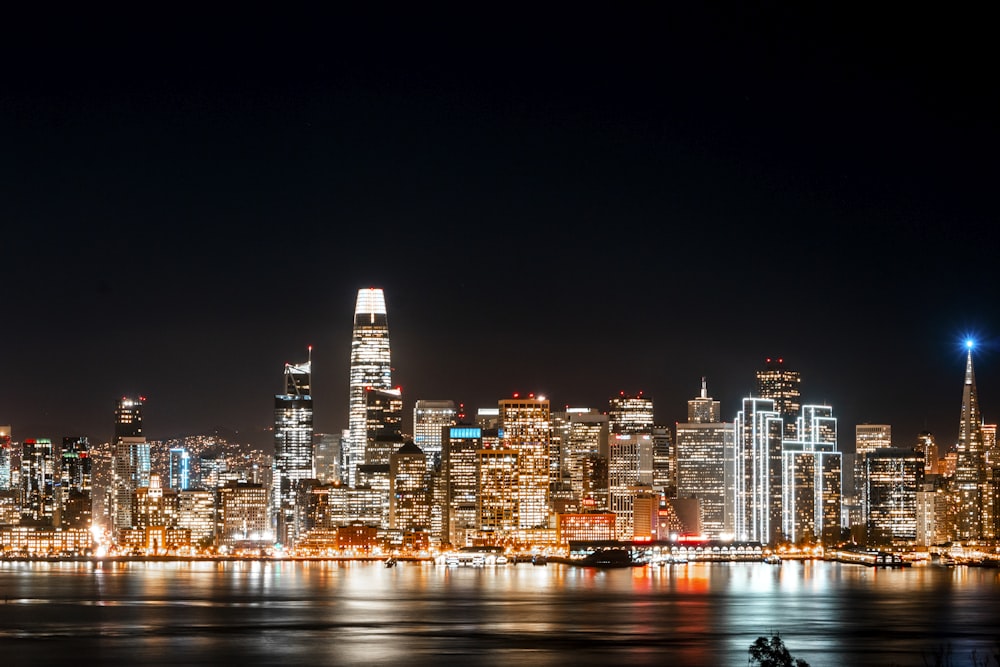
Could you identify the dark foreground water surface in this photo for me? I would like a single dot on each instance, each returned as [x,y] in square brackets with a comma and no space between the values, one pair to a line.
[329,613]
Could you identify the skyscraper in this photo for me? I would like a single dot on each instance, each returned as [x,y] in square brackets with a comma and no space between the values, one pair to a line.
[74,501]
[928,446]
[969,481]
[894,477]
[782,386]
[6,457]
[704,462]
[130,458]
[630,414]
[757,471]
[429,420]
[626,479]
[525,427]
[179,469]
[458,464]
[384,424]
[38,498]
[586,435]
[812,472]
[293,447]
[867,439]
[409,493]
[370,368]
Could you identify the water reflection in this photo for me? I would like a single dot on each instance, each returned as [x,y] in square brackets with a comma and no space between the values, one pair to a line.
[257,612]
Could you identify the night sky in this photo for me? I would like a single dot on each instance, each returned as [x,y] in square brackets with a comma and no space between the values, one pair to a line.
[569,204]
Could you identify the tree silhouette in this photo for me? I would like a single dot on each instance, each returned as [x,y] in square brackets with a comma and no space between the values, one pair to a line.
[771,652]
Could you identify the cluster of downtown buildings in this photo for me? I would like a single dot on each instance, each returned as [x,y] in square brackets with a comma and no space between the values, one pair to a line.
[519,475]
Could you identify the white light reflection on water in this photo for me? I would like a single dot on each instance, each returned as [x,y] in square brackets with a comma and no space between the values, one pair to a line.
[259,612]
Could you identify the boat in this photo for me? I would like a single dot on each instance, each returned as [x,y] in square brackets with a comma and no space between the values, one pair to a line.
[609,558]
[390,562]
[501,560]
[539,560]
[772,559]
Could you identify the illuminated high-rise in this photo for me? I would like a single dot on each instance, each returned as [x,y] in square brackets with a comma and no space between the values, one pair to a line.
[927,445]
[626,478]
[6,458]
[293,448]
[894,477]
[630,413]
[812,470]
[782,386]
[704,462]
[38,482]
[429,419]
[370,368]
[461,443]
[409,492]
[757,480]
[969,481]
[630,456]
[498,494]
[867,439]
[130,458]
[74,498]
[525,429]
[586,434]
[383,424]
[179,469]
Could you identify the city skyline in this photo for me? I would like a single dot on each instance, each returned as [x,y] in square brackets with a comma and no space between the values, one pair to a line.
[629,206]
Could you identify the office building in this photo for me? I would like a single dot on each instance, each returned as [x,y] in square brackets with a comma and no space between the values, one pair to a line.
[409,490]
[293,448]
[327,456]
[664,461]
[460,446]
[968,486]
[626,478]
[244,519]
[429,419]
[38,483]
[525,429]
[131,465]
[179,469]
[74,503]
[781,385]
[383,424]
[867,438]
[498,495]
[757,511]
[812,494]
[927,445]
[630,414]
[6,460]
[585,434]
[895,477]
[196,514]
[704,447]
[370,369]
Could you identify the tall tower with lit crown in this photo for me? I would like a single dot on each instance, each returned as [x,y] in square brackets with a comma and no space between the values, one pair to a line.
[970,466]
[370,368]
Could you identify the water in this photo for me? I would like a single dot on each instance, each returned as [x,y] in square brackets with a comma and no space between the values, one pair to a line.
[329,613]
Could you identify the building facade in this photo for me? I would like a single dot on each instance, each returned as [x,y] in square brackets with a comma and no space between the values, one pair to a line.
[370,368]
[293,449]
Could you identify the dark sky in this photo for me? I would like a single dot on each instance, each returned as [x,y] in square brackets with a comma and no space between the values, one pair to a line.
[568,204]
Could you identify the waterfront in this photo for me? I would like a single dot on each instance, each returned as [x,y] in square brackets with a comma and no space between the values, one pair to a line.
[352,613]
